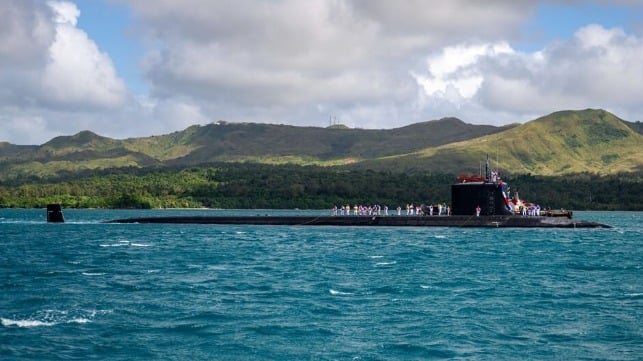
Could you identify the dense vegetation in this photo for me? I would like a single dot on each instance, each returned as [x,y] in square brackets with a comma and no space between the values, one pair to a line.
[290,186]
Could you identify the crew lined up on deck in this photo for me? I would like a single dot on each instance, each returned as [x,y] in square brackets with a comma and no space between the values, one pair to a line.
[377,210]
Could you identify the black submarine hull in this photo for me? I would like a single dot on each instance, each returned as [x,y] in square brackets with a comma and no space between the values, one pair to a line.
[501,221]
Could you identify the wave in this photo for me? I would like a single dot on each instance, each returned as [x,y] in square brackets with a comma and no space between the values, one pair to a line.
[24,323]
[93,273]
[339,293]
[49,318]
[380,264]
[6,322]
[125,244]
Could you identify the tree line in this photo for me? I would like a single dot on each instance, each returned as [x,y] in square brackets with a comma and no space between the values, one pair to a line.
[307,187]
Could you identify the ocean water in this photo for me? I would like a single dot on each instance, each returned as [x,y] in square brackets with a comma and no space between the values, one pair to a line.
[86,290]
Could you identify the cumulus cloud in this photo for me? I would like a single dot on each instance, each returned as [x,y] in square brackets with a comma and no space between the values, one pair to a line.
[375,63]
[598,67]
[25,34]
[368,63]
[285,61]
[453,74]
[49,62]
[50,69]
[78,73]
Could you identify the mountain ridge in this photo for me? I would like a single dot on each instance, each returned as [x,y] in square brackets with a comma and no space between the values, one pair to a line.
[570,141]
[564,142]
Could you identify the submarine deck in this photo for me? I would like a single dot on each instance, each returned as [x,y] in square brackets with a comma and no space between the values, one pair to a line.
[384,221]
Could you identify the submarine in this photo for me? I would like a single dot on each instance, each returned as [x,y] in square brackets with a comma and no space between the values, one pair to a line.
[476,201]
[55,213]
[500,221]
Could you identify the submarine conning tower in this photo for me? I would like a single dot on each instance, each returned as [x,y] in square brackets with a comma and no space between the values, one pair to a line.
[489,193]
[55,213]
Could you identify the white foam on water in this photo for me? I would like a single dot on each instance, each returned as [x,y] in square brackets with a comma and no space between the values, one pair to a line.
[339,293]
[93,273]
[24,323]
[379,264]
[374,257]
[125,244]
[79,320]
[36,323]
[82,222]
[48,318]
[8,221]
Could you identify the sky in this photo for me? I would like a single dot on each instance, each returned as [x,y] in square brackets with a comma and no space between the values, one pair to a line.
[132,68]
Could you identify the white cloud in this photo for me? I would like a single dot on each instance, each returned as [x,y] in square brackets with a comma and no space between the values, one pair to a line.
[28,128]
[369,63]
[25,33]
[177,114]
[598,67]
[283,61]
[78,73]
[453,74]
[64,12]
[51,73]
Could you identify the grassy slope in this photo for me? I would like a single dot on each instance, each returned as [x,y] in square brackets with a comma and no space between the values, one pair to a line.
[232,142]
[267,143]
[80,152]
[565,142]
[560,143]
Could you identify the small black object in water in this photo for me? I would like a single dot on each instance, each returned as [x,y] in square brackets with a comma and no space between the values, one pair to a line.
[55,213]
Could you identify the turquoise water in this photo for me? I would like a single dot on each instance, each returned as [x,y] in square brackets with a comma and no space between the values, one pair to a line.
[86,290]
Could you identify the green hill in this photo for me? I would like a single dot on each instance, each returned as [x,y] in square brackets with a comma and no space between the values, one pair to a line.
[230,142]
[268,143]
[65,154]
[566,142]
[9,151]
[636,126]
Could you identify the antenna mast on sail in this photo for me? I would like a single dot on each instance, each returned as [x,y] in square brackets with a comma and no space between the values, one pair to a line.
[497,161]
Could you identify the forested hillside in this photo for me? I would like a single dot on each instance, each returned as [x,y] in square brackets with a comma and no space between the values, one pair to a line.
[587,159]
[266,186]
